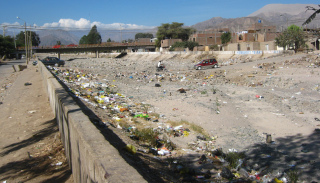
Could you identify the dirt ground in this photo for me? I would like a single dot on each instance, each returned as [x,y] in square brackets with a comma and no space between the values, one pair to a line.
[30,146]
[237,104]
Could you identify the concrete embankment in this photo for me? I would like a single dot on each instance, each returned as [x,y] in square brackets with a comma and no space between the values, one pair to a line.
[91,157]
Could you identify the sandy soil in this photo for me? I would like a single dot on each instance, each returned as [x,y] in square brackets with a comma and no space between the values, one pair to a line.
[237,104]
[30,146]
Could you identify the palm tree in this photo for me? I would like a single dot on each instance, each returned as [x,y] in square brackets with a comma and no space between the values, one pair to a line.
[316,11]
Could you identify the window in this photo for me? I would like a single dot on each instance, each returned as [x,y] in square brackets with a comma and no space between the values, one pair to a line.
[240,37]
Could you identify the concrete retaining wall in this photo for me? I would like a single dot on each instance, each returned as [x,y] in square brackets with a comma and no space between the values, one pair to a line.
[207,52]
[91,157]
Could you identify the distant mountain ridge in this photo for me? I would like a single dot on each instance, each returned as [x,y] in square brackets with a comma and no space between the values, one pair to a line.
[50,37]
[279,15]
[290,9]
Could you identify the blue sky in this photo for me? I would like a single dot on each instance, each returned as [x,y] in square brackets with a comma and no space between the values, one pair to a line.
[139,14]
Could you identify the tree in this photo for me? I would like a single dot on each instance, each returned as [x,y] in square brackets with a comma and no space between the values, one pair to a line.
[83,40]
[93,37]
[58,42]
[20,38]
[130,41]
[185,44]
[292,37]
[173,31]
[225,38]
[6,46]
[316,11]
[143,35]
[109,40]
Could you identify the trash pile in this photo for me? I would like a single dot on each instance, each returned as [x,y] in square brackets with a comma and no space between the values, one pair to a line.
[122,111]
[154,136]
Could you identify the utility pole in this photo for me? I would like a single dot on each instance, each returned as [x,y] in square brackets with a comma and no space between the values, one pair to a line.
[286,19]
[121,33]
[4,30]
[25,39]
[14,38]
[30,46]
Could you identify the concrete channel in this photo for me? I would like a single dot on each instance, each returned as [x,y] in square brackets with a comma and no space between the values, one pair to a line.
[91,157]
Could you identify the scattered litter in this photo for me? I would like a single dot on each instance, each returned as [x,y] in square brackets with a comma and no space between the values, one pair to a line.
[130,148]
[59,163]
[259,96]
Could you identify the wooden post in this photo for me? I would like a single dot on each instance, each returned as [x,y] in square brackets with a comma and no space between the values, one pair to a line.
[269,138]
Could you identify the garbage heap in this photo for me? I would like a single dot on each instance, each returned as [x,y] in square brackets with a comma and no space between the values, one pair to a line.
[151,133]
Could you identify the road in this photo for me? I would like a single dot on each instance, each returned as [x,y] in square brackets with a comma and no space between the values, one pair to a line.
[30,144]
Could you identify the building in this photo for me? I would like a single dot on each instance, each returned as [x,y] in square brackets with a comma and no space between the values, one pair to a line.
[256,37]
[166,43]
[208,37]
[257,33]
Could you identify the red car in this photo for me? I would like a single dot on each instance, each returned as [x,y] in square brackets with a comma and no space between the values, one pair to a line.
[71,45]
[207,63]
[56,46]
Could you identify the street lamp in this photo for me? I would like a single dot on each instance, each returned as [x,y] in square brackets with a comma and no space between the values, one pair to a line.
[25,39]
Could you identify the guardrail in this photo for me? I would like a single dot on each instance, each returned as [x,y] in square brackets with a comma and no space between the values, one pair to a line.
[111,44]
[214,52]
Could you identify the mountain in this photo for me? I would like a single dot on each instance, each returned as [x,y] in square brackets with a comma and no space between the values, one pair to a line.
[283,14]
[213,22]
[50,37]
[234,24]
[280,15]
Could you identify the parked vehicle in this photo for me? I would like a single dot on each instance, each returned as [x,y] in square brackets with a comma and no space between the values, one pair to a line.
[54,61]
[56,46]
[206,64]
[71,45]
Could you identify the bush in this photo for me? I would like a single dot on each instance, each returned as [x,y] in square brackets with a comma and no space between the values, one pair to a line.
[186,44]
[233,158]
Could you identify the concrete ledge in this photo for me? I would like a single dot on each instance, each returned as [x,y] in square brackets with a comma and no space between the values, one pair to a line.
[91,157]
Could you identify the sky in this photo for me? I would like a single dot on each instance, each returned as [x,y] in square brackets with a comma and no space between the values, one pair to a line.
[125,14]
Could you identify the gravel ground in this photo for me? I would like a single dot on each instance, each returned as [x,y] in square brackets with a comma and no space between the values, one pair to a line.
[237,105]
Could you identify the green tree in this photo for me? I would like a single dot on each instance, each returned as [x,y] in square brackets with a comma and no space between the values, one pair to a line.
[58,42]
[225,38]
[20,38]
[109,40]
[185,44]
[143,35]
[130,41]
[93,37]
[83,40]
[173,31]
[293,37]
[6,46]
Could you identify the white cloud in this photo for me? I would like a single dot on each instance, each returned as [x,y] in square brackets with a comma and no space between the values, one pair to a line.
[86,24]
